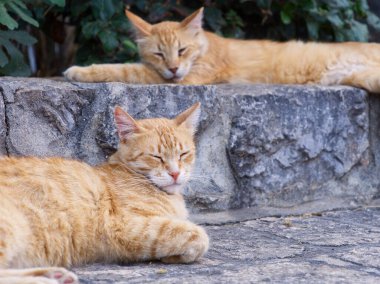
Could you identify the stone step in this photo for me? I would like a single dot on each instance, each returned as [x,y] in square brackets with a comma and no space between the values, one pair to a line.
[258,145]
[334,247]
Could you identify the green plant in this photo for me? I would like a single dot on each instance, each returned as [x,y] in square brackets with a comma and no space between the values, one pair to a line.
[324,20]
[12,61]
[103,33]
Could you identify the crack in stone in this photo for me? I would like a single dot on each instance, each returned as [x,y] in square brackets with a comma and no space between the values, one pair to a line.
[356,263]
[5,121]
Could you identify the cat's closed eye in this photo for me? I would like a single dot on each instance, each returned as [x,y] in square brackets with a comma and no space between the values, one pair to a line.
[181,51]
[183,155]
[159,54]
[158,158]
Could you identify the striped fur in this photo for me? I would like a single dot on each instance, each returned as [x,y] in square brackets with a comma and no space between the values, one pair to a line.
[59,212]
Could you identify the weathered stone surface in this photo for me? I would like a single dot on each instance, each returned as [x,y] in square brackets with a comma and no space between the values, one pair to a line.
[258,145]
[289,142]
[3,127]
[335,247]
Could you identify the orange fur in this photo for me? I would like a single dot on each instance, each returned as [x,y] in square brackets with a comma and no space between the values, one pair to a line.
[59,212]
[208,59]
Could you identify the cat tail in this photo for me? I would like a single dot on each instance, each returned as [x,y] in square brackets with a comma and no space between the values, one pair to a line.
[159,238]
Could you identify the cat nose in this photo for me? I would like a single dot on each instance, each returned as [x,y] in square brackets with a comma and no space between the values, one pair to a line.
[173,70]
[174,175]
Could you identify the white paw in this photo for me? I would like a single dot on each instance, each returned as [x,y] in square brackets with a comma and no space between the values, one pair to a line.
[73,73]
[61,275]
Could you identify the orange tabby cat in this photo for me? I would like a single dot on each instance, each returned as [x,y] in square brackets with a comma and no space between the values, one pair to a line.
[184,53]
[59,212]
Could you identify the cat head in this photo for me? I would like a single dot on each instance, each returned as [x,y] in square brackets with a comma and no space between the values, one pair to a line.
[161,149]
[170,47]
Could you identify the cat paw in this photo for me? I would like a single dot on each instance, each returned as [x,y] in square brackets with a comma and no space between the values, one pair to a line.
[75,73]
[196,247]
[61,275]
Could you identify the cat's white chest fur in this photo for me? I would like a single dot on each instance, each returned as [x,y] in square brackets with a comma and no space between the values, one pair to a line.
[179,205]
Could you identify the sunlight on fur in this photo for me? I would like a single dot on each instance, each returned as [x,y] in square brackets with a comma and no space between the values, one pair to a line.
[60,212]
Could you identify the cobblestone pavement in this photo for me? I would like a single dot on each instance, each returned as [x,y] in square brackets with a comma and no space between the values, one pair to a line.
[332,247]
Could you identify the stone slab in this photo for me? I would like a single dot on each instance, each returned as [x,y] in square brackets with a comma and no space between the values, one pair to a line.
[258,145]
[333,247]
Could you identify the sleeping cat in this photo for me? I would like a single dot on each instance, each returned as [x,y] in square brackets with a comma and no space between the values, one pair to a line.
[184,53]
[59,212]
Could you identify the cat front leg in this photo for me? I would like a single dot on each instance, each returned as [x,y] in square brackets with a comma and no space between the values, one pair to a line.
[159,238]
[27,280]
[55,275]
[368,78]
[204,76]
[136,73]
[190,244]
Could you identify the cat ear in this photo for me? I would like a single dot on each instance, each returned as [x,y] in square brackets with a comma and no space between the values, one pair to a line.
[142,28]
[126,126]
[194,21]
[190,117]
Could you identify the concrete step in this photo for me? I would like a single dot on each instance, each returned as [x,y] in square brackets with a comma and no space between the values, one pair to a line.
[258,145]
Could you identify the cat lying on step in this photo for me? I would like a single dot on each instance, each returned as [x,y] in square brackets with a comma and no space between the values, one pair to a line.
[59,212]
[184,53]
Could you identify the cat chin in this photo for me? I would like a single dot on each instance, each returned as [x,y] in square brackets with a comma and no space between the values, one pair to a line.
[177,79]
[169,76]
[172,189]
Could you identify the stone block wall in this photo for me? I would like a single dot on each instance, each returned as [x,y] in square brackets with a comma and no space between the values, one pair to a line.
[258,145]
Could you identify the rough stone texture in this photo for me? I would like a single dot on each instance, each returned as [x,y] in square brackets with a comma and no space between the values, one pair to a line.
[258,145]
[284,143]
[3,128]
[334,247]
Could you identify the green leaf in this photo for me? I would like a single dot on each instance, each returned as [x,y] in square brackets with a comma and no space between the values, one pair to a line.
[60,3]
[11,49]
[339,36]
[158,12]
[285,18]
[130,45]
[313,29]
[335,20]
[3,58]
[109,40]
[6,19]
[308,5]
[142,5]
[16,65]
[20,3]
[373,21]
[23,14]
[103,9]
[358,32]
[91,29]
[21,37]
[214,18]
[340,4]
[234,19]
[264,4]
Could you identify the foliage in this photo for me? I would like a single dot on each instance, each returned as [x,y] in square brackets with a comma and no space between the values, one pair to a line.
[11,57]
[324,20]
[103,33]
